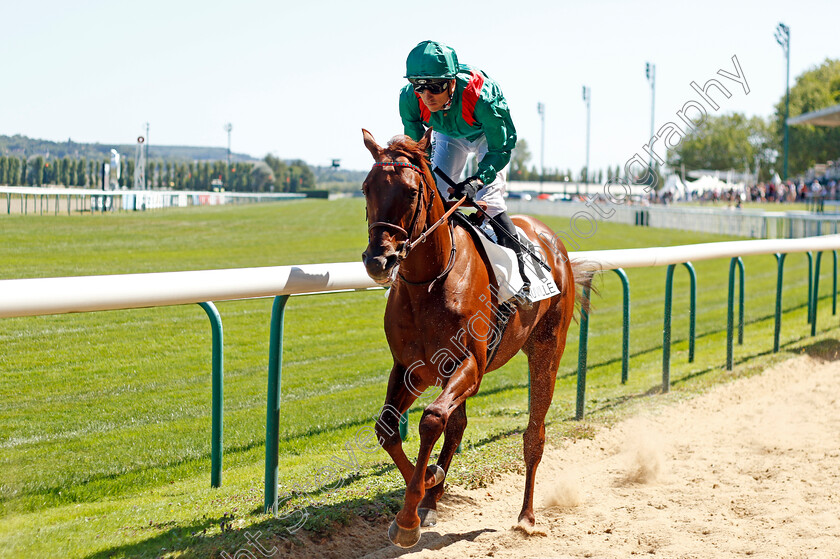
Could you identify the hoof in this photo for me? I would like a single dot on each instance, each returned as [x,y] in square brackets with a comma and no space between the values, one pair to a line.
[438,473]
[428,517]
[402,537]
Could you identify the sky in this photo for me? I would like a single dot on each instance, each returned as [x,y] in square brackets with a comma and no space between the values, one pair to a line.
[300,80]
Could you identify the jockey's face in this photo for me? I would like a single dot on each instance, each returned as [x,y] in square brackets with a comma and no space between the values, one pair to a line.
[436,102]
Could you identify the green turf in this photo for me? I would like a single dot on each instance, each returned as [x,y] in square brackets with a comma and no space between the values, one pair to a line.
[105,417]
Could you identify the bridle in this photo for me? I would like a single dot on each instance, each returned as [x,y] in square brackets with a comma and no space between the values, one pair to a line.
[409,243]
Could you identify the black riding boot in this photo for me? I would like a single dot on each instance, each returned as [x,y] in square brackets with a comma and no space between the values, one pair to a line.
[502,224]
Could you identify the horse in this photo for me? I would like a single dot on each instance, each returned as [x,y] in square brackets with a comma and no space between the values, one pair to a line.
[439,324]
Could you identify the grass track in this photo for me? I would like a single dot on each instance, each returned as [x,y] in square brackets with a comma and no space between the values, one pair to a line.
[104,417]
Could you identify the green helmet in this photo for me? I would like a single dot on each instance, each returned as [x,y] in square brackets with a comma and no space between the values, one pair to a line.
[431,60]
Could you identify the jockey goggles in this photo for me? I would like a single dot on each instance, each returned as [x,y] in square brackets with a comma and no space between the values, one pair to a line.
[434,87]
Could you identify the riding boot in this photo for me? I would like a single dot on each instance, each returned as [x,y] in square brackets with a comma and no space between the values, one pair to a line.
[506,233]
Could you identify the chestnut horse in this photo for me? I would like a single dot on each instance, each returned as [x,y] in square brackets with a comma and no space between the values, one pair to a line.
[439,322]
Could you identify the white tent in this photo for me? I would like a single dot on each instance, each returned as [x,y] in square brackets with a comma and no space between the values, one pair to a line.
[675,186]
[706,183]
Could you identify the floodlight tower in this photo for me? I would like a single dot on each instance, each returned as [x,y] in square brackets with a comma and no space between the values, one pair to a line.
[147,143]
[140,165]
[228,128]
[783,38]
[541,111]
[587,97]
[650,72]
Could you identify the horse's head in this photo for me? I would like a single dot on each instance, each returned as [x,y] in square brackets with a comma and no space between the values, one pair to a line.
[398,192]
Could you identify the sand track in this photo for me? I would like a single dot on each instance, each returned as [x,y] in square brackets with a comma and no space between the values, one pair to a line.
[750,469]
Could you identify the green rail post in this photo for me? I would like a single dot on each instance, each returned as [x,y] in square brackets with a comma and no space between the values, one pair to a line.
[272,421]
[582,354]
[815,299]
[834,285]
[217,394]
[730,309]
[692,311]
[666,330]
[810,285]
[625,326]
[404,426]
[780,266]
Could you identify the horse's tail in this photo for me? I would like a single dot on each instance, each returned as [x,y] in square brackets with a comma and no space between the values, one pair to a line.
[583,272]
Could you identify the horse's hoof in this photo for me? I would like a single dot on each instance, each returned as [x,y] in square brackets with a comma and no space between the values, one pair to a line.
[428,517]
[437,472]
[403,537]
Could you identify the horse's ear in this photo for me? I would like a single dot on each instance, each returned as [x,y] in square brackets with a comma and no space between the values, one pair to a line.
[371,145]
[426,140]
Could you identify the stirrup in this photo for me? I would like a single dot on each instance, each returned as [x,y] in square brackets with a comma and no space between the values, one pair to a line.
[522,299]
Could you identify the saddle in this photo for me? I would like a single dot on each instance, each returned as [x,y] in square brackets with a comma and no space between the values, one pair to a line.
[505,308]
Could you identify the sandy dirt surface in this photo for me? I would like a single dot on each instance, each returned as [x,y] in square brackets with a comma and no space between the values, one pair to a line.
[751,468]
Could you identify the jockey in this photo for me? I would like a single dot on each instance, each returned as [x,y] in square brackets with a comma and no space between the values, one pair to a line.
[468,114]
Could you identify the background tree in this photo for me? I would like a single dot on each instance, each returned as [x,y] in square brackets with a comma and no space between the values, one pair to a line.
[66,170]
[280,171]
[723,142]
[36,178]
[262,177]
[128,179]
[301,176]
[816,89]
[80,173]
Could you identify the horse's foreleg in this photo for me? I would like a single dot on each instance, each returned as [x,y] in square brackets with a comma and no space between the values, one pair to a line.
[405,531]
[398,399]
[453,434]
[543,361]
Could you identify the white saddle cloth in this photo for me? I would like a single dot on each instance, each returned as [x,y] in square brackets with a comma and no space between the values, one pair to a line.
[506,269]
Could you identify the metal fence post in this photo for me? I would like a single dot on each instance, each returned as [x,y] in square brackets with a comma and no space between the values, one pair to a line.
[810,285]
[815,299]
[730,309]
[692,311]
[404,426]
[582,354]
[217,394]
[666,330]
[834,284]
[625,326]
[780,267]
[272,421]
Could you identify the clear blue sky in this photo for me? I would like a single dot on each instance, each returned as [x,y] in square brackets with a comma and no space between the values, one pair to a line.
[301,80]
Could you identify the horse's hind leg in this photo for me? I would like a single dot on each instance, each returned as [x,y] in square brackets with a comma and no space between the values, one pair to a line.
[452,438]
[545,348]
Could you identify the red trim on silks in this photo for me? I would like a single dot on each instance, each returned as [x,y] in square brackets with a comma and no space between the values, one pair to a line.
[425,113]
[470,96]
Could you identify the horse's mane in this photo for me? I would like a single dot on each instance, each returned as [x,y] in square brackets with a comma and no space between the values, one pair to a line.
[402,145]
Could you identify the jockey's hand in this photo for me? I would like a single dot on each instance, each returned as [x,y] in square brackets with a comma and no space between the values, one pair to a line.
[468,188]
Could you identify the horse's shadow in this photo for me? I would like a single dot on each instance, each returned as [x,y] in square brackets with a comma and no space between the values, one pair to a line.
[430,540]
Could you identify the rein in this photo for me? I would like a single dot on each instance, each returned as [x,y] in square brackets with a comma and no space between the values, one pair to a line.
[409,244]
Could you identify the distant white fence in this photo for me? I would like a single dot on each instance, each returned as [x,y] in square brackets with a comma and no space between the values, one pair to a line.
[55,200]
[736,222]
